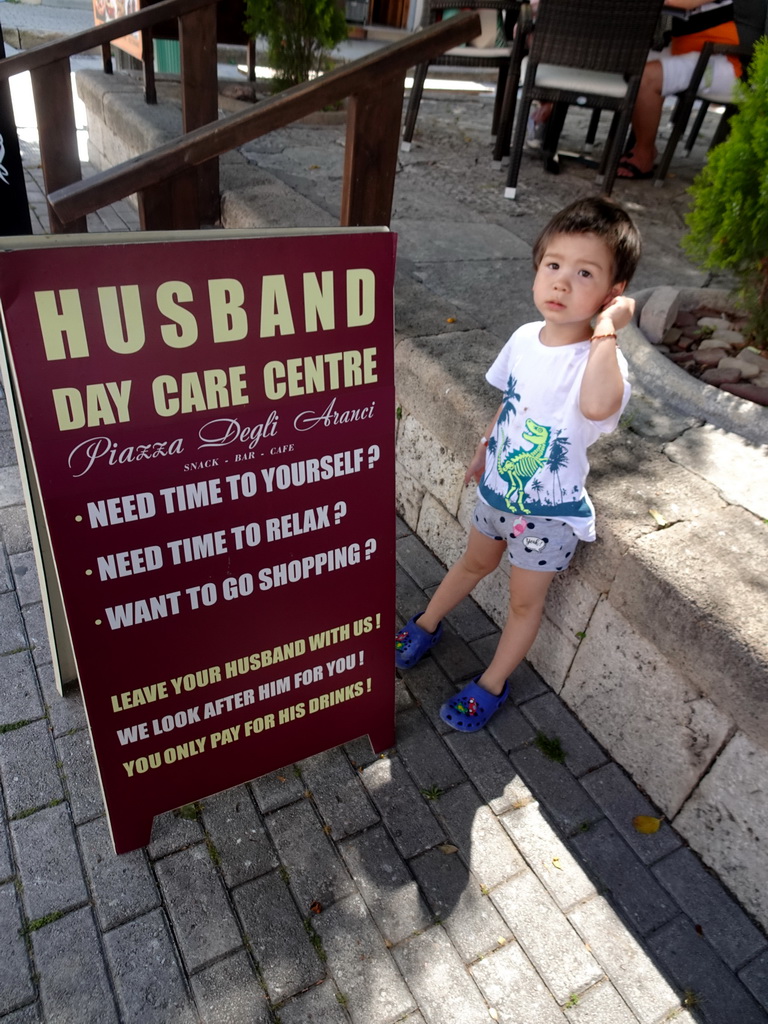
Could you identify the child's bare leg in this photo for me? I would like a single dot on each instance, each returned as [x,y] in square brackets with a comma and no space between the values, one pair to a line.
[480,558]
[527,593]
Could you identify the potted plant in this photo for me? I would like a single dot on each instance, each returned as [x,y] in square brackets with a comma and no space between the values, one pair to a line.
[300,35]
[728,221]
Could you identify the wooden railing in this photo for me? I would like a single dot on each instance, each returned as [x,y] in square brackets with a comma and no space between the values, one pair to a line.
[49,69]
[177,183]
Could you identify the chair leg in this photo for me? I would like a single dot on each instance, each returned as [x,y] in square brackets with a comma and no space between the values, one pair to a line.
[594,121]
[498,103]
[609,143]
[616,148]
[693,133]
[419,78]
[512,84]
[554,129]
[682,114]
[506,120]
[551,138]
[723,126]
[516,147]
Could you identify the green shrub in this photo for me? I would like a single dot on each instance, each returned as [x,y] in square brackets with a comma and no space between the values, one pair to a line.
[299,34]
[728,222]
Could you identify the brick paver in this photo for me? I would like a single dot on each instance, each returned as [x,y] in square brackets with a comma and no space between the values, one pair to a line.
[387,886]
[16,985]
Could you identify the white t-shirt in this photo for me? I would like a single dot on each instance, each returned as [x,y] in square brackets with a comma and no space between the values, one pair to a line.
[536,463]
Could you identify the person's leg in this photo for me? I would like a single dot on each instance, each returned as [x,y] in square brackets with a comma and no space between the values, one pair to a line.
[527,593]
[480,558]
[537,124]
[645,121]
[482,696]
[423,631]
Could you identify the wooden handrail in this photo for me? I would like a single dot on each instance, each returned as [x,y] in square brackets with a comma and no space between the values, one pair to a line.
[68,46]
[365,80]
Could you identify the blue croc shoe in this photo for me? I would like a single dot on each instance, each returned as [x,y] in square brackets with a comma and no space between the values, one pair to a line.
[413,642]
[471,708]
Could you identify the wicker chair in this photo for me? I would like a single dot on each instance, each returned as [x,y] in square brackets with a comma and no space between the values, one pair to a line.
[752,23]
[497,57]
[685,104]
[591,52]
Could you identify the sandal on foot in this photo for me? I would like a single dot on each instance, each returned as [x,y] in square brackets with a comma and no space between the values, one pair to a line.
[471,708]
[633,172]
[413,642]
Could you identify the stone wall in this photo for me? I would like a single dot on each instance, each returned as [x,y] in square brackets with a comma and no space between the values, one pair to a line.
[645,637]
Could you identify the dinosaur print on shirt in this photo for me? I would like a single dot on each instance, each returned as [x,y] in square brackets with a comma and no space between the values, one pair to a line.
[523,463]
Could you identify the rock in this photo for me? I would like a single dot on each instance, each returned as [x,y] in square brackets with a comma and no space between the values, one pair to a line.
[744,341]
[685,319]
[716,376]
[709,356]
[681,358]
[728,338]
[746,369]
[694,332]
[714,341]
[744,389]
[752,355]
[684,343]
[714,322]
[659,312]
[671,335]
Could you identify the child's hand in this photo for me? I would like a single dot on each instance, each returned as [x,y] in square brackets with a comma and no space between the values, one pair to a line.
[476,466]
[614,315]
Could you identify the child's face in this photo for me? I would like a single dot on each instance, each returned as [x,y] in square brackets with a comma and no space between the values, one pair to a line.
[574,279]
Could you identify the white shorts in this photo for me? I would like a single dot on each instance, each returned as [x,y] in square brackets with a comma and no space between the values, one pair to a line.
[718,81]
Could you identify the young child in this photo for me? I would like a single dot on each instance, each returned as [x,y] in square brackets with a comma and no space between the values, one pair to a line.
[564,383]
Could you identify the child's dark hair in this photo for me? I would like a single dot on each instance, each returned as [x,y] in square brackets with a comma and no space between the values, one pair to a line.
[599,216]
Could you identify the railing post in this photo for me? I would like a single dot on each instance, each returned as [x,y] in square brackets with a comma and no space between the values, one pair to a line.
[172,204]
[106,58]
[370,156]
[251,60]
[59,158]
[148,66]
[199,96]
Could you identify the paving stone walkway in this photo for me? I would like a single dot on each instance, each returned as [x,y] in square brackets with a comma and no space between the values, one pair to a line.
[455,880]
